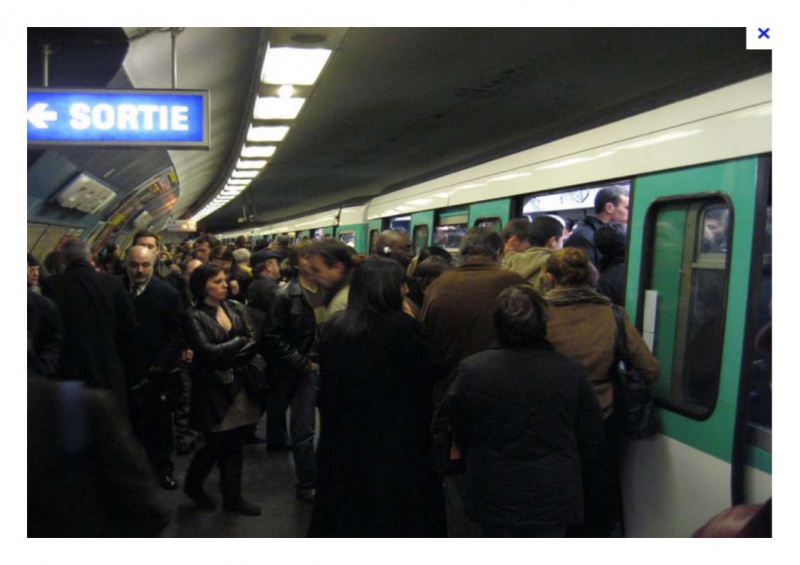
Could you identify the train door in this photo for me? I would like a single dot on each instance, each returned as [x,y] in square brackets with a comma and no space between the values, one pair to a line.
[354,235]
[693,289]
[375,228]
[421,230]
[450,228]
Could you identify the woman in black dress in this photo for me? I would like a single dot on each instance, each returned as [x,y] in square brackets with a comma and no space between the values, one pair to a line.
[222,337]
[377,369]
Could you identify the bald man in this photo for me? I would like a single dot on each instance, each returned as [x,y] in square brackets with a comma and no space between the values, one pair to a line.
[158,346]
[396,245]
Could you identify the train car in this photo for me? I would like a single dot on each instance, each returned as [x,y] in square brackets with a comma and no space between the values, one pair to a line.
[698,281]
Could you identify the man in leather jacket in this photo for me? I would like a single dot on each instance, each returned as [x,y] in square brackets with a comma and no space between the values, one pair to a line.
[290,346]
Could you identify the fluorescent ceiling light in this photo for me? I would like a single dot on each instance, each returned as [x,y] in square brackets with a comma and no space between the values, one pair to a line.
[287,65]
[286,91]
[267,133]
[248,164]
[272,108]
[238,182]
[250,151]
[244,174]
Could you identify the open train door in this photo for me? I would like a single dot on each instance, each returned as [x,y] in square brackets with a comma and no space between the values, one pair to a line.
[699,285]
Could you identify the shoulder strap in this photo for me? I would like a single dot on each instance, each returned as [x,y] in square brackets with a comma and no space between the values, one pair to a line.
[621,342]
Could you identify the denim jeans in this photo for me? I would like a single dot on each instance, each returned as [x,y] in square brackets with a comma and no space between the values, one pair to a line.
[302,424]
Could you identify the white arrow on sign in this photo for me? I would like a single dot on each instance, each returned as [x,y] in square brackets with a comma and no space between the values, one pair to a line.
[39,115]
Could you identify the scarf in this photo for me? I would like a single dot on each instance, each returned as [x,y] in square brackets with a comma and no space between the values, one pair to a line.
[575,295]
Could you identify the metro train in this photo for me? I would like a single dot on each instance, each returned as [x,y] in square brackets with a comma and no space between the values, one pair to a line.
[698,282]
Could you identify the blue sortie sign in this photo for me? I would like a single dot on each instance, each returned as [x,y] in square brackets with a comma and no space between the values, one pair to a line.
[121,118]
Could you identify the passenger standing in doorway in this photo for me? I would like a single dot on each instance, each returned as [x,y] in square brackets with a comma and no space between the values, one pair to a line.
[377,372]
[516,236]
[290,348]
[611,240]
[610,205]
[526,418]
[545,237]
[581,325]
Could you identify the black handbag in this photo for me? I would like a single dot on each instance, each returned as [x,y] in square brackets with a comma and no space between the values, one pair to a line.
[254,376]
[632,398]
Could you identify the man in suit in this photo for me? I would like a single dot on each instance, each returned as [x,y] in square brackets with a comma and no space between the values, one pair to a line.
[99,323]
[158,345]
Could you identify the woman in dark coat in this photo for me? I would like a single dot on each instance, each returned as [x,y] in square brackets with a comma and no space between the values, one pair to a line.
[377,369]
[525,419]
[223,339]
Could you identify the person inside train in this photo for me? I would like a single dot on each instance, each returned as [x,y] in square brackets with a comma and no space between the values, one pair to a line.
[516,235]
[523,484]
[202,246]
[289,344]
[457,311]
[99,321]
[611,242]
[158,344]
[378,367]
[581,325]
[545,236]
[332,263]
[396,245]
[610,205]
[222,338]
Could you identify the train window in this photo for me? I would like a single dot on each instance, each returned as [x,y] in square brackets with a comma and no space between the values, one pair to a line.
[348,237]
[319,234]
[571,204]
[450,229]
[402,223]
[420,237]
[373,236]
[493,222]
[689,250]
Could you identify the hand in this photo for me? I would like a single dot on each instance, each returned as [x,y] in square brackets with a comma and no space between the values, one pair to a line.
[234,284]
[187,355]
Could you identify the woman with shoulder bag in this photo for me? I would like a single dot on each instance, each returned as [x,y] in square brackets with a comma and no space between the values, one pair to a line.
[222,337]
[581,325]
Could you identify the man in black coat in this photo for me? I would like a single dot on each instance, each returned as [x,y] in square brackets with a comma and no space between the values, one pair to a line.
[45,336]
[158,345]
[99,322]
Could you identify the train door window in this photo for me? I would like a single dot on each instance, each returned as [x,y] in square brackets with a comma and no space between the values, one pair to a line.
[571,205]
[450,230]
[420,237]
[689,246]
[493,222]
[401,223]
[348,237]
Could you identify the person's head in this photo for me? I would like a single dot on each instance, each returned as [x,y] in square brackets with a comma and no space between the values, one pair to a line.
[146,239]
[73,251]
[330,262]
[516,235]
[34,271]
[569,267]
[241,242]
[241,256]
[139,263]
[520,316]
[435,251]
[547,231]
[202,247]
[222,256]
[188,267]
[298,260]
[611,205]
[429,270]
[208,284]
[394,244]
[481,243]
[377,286]
[52,263]
[610,241]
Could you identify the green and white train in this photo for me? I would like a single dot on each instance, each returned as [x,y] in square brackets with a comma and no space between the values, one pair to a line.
[698,284]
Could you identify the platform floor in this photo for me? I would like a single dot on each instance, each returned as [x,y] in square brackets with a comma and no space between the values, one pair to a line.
[267,480]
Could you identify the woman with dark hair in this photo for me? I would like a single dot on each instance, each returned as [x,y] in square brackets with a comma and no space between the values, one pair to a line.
[377,373]
[582,326]
[222,337]
[238,280]
[428,270]
[525,419]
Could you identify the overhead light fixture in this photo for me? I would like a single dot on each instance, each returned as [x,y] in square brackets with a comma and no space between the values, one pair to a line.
[286,91]
[267,133]
[274,108]
[252,151]
[288,65]
[248,164]
[244,174]
[242,182]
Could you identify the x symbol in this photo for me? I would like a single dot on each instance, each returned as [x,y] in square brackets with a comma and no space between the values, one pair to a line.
[763,33]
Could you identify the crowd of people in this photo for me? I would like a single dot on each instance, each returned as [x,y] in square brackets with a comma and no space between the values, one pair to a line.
[499,358]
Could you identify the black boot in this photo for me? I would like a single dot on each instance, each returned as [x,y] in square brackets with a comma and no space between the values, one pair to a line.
[201,465]
[230,473]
